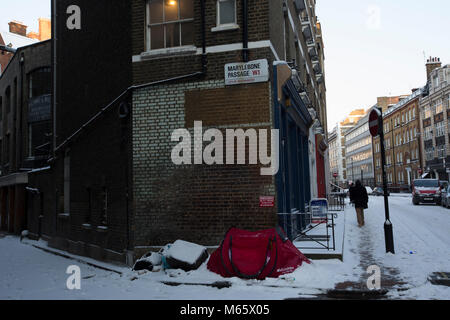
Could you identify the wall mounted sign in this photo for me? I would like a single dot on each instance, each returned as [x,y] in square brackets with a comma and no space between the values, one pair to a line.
[266,202]
[39,108]
[247,72]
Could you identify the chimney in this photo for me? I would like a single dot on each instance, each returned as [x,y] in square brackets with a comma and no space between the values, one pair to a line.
[45,29]
[432,64]
[18,28]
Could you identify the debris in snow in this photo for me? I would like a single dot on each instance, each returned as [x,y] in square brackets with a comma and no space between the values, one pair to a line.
[185,255]
[24,234]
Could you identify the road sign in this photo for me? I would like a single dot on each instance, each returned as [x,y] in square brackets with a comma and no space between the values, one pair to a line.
[335,175]
[374,122]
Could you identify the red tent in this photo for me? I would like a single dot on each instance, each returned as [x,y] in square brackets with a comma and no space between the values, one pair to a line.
[255,255]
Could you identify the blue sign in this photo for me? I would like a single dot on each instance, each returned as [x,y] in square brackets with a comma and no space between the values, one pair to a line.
[319,208]
[39,108]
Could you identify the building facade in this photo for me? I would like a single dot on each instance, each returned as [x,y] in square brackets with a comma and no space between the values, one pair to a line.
[435,114]
[358,153]
[401,125]
[336,141]
[25,129]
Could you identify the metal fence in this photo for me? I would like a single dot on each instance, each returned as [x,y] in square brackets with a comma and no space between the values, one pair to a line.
[336,201]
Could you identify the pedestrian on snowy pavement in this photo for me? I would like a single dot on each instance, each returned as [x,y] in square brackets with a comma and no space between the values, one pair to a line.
[358,196]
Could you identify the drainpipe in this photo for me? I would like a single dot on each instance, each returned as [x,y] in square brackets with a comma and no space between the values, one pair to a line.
[245,30]
[20,135]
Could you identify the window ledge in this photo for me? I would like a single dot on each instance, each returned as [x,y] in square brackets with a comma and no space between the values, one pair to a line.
[158,53]
[225,27]
[63,215]
[86,226]
[102,228]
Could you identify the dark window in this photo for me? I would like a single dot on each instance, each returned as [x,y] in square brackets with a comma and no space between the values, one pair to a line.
[170,23]
[1,107]
[39,138]
[39,82]
[8,100]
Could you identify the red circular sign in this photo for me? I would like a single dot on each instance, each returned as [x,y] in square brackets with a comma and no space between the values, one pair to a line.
[374,122]
[335,175]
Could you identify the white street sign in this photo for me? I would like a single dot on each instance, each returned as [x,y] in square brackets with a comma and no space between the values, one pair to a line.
[247,72]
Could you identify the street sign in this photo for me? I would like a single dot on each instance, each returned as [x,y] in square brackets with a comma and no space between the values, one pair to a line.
[246,72]
[374,122]
[335,175]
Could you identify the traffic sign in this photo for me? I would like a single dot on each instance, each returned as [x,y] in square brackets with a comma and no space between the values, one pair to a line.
[374,122]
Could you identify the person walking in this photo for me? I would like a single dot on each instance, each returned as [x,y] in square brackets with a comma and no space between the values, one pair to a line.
[358,196]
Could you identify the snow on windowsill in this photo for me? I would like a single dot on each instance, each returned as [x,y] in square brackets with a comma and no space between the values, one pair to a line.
[158,53]
[102,228]
[64,215]
[225,27]
[86,226]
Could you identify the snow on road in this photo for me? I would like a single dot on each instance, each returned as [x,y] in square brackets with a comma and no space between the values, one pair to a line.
[29,273]
[422,243]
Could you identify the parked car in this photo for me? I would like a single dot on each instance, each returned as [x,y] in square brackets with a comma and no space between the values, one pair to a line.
[378,191]
[446,197]
[426,191]
[443,184]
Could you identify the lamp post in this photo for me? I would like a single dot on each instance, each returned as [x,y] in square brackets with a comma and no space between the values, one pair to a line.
[376,128]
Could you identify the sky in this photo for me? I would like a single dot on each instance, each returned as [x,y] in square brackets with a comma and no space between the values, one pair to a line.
[26,11]
[376,48]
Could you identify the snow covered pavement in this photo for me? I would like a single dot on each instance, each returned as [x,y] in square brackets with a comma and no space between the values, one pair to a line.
[422,243]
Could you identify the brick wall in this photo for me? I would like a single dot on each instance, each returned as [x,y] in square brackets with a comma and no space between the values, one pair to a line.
[196,203]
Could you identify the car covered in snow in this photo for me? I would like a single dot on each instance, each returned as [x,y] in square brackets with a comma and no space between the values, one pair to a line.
[426,191]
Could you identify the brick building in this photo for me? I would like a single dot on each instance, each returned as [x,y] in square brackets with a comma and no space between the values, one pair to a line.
[10,40]
[435,115]
[116,191]
[25,129]
[401,125]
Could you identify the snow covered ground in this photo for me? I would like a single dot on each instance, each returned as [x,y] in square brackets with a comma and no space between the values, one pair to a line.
[422,243]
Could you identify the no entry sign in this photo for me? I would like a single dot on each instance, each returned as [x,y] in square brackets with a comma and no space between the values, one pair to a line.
[374,122]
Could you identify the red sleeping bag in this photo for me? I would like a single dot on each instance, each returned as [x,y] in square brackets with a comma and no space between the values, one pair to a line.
[255,255]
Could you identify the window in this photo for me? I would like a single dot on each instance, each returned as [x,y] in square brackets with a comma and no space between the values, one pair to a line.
[170,23]
[104,206]
[226,12]
[8,100]
[427,112]
[39,138]
[436,81]
[440,129]
[438,107]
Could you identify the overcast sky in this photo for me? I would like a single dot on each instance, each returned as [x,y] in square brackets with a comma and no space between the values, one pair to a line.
[376,48]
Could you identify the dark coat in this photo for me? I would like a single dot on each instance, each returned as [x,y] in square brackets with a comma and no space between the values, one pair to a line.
[358,195]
